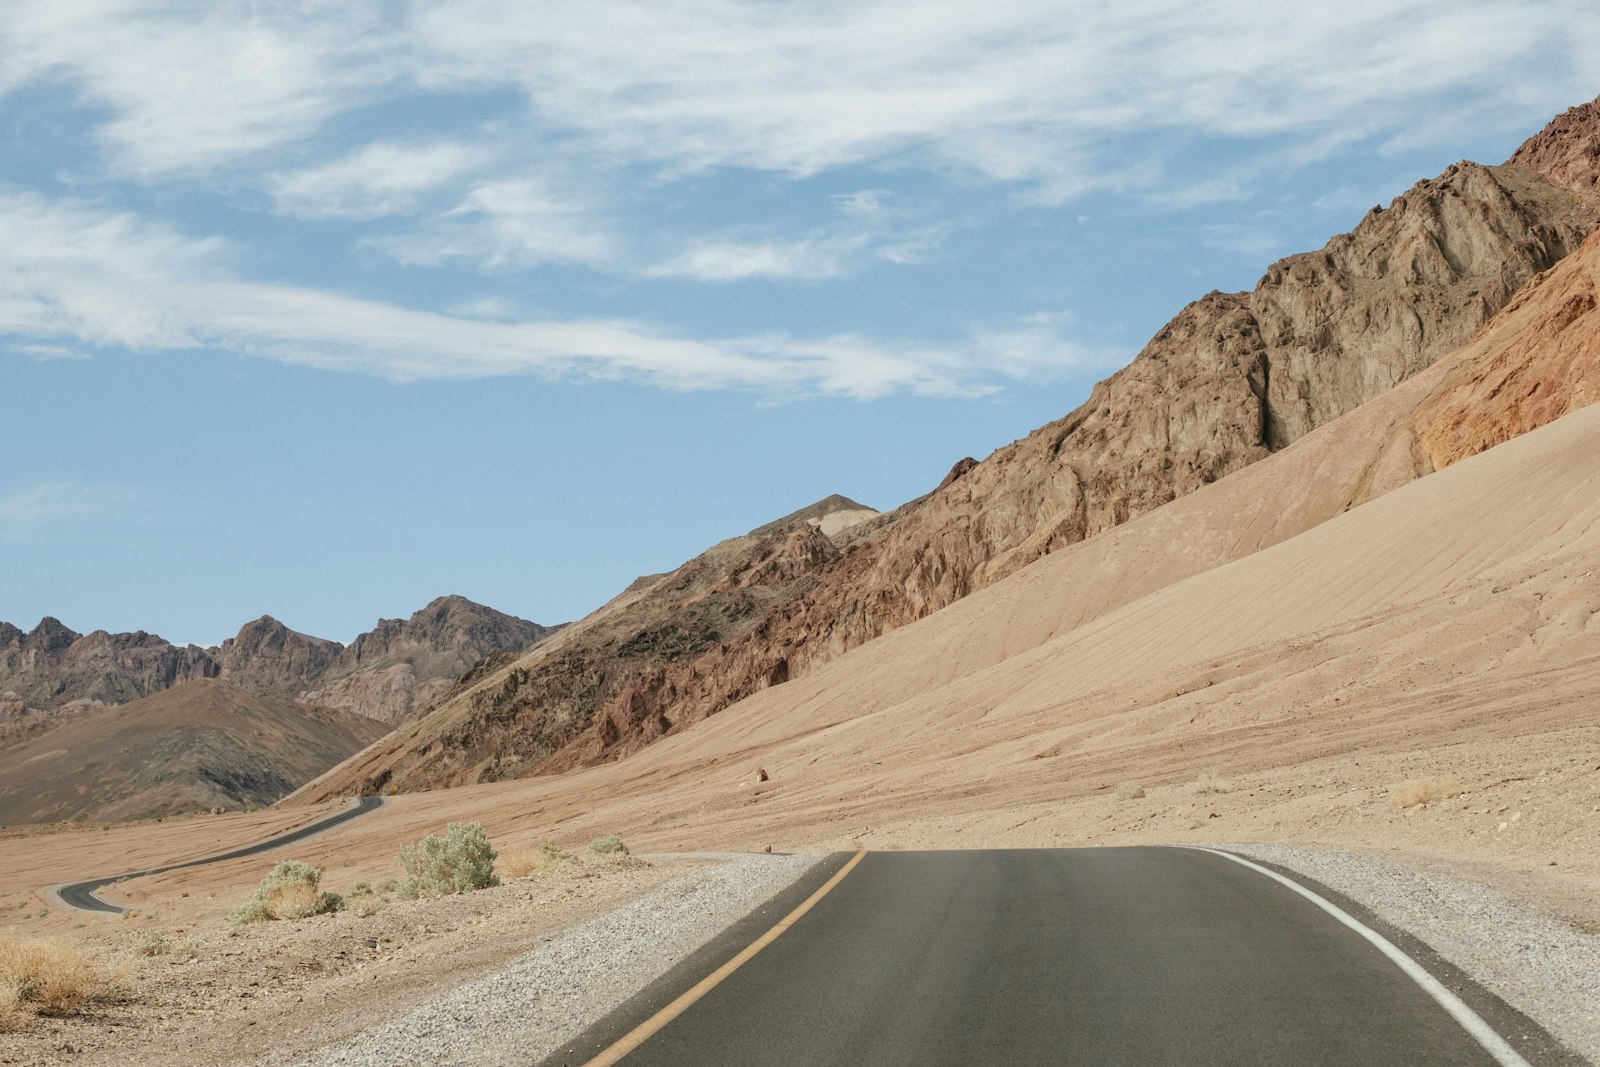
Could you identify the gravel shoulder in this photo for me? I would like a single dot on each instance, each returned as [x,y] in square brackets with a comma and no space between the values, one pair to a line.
[542,999]
[1540,965]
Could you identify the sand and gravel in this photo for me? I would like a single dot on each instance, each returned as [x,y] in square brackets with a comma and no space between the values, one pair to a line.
[213,995]
[532,1007]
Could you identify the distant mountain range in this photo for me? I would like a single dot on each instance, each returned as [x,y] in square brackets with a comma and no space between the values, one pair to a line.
[120,726]
[401,664]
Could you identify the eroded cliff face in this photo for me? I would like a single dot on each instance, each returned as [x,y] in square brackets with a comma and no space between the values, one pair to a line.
[1542,364]
[1233,378]
[1567,151]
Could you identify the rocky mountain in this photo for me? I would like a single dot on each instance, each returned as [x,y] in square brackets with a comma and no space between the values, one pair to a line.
[193,747]
[1232,379]
[402,664]
[525,709]
[382,675]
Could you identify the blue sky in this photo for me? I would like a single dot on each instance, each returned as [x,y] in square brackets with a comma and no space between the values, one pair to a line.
[323,310]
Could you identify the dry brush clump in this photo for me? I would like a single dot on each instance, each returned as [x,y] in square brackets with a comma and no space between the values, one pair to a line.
[48,977]
[1211,784]
[608,846]
[519,861]
[1130,791]
[1423,791]
[289,892]
[458,861]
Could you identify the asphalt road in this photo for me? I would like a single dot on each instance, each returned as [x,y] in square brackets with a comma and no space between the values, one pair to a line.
[81,895]
[1063,956]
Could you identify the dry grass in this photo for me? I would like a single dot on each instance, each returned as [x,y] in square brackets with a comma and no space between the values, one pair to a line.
[1423,791]
[296,900]
[43,977]
[1130,791]
[519,861]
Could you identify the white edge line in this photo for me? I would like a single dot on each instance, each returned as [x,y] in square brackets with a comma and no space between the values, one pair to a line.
[1470,1021]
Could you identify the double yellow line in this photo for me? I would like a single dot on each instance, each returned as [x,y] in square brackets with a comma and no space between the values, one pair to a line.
[641,1033]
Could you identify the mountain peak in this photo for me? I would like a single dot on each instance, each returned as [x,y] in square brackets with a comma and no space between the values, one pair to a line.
[832,513]
[1567,150]
[51,635]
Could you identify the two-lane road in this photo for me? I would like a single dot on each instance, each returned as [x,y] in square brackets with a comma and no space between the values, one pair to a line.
[1061,956]
[82,895]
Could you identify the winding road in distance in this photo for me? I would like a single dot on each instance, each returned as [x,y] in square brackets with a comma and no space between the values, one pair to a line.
[1091,956]
[81,895]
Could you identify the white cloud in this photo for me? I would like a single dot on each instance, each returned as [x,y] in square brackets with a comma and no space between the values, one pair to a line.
[507,224]
[191,87]
[1031,91]
[1024,91]
[808,258]
[383,178]
[27,512]
[870,227]
[76,272]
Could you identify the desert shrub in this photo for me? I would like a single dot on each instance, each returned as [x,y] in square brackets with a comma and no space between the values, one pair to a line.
[362,901]
[1130,791]
[150,943]
[45,977]
[1423,791]
[289,892]
[459,861]
[1211,783]
[608,846]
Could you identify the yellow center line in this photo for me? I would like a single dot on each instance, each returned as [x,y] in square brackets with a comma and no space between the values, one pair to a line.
[641,1033]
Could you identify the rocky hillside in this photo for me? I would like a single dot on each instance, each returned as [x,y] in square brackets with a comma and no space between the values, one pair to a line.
[194,747]
[512,713]
[1232,379]
[383,674]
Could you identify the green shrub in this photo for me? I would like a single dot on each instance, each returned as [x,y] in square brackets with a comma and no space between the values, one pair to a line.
[608,846]
[458,862]
[289,892]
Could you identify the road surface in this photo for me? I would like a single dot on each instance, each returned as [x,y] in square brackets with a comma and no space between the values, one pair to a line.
[1061,956]
[81,895]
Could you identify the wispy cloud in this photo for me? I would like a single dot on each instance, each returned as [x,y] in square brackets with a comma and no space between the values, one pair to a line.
[517,222]
[1019,92]
[383,178]
[29,512]
[869,227]
[73,271]
[192,87]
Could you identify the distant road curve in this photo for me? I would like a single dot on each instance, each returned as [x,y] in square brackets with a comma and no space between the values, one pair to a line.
[81,895]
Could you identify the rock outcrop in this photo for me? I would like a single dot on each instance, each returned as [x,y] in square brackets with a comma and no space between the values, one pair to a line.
[267,657]
[1233,378]
[1567,151]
